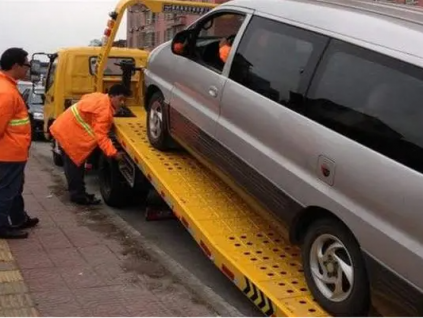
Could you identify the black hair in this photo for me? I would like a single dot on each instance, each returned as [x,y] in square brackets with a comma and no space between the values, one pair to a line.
[11,57]
[119,89]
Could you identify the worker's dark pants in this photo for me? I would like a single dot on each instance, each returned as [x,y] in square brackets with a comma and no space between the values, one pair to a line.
[74,176]
[12,207]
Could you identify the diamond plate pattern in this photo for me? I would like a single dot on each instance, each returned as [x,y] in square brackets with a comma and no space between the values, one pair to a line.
[214,213]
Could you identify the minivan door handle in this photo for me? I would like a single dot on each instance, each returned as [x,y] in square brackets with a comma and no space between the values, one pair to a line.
[213,91]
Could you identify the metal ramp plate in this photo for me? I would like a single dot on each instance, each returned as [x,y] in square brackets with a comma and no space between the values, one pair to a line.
[246,247]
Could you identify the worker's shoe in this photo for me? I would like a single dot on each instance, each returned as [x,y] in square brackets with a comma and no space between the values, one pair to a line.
[8,233]
[29,223]
[87,199]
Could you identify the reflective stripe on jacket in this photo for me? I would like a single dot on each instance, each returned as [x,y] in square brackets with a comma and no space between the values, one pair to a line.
[84,126]
[15,126]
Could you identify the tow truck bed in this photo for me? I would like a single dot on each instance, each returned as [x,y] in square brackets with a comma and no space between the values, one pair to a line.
[243,245]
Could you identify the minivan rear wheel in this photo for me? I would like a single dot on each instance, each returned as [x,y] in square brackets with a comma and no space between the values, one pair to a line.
[335,270]
[157,130]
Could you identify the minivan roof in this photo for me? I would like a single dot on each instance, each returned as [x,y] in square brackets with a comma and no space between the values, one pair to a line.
[391,29]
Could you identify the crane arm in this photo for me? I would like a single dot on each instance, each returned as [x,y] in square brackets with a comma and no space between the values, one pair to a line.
[156,6]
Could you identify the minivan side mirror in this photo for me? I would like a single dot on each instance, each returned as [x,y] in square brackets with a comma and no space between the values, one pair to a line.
[180,43]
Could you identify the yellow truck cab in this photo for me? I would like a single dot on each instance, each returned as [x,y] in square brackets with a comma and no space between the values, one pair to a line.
[70,75]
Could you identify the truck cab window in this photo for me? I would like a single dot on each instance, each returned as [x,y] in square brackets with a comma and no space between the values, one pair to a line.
[215,38]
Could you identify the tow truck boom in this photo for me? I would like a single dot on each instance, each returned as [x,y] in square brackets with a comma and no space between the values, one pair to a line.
[156,6]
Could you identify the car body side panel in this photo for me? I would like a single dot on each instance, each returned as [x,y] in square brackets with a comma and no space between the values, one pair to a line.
[192,93]
[161,70]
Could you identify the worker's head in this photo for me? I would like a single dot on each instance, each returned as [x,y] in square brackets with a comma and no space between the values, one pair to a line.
[118,94]
[14,62]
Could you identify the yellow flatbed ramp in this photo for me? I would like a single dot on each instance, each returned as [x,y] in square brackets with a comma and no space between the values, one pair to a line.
[244,246]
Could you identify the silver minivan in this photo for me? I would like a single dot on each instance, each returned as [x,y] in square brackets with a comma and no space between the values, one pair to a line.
[317,114]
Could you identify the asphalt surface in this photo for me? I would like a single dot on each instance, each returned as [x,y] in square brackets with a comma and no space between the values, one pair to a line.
[173,239]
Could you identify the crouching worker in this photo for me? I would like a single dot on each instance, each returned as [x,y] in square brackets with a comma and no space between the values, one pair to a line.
[80,129]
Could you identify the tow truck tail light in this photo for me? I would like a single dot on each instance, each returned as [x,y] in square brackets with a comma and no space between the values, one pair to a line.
[107,32]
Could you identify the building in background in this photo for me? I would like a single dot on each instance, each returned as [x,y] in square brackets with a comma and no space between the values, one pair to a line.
[146,30]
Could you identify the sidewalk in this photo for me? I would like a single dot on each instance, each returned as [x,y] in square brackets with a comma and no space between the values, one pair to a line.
[78,263]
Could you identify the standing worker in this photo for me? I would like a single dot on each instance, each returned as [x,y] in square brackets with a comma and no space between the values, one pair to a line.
[15,140]
[80,129]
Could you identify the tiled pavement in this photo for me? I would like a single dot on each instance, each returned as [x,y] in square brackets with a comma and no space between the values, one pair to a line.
[77,263]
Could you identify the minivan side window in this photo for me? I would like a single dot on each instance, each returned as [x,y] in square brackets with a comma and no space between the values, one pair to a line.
[215,31]
[372,99]
[273,59]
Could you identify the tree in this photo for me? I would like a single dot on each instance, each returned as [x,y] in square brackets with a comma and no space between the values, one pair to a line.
[95,42]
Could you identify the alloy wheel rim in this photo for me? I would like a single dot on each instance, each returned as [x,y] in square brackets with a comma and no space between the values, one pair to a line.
[331,268]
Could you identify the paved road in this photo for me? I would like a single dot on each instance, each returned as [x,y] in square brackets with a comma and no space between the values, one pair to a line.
[174,240]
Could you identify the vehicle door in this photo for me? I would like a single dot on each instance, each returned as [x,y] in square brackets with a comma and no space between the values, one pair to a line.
[198,87]
[268,77]
[49,87]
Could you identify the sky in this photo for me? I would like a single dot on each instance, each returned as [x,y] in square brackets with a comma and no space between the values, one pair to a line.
[47,25]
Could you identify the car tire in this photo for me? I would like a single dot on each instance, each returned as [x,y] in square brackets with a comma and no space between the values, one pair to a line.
[157,123]
[114,189]
[339,249]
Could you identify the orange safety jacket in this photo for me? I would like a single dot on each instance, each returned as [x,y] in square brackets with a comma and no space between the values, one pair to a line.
[15,126]
[84,126]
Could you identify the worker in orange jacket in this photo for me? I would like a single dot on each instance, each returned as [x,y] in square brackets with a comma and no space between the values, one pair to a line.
[80,129]
[15,140]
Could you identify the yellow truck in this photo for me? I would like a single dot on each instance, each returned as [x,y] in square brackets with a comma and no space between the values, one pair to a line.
[71,74]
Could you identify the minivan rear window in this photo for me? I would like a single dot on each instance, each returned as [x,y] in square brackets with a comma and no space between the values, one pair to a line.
[372,99]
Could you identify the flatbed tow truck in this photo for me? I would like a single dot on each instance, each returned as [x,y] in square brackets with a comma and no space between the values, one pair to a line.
[249,248]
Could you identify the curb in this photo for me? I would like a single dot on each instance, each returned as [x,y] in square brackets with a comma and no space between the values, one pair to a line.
[186,278]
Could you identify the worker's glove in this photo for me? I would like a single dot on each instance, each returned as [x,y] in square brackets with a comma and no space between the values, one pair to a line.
[119,156]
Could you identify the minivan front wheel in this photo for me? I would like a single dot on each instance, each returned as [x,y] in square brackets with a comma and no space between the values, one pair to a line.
[157,130]
[335,270]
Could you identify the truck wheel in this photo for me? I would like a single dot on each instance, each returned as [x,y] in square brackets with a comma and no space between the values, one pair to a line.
[157,130]
[57,157]
[335,270]
[114,189]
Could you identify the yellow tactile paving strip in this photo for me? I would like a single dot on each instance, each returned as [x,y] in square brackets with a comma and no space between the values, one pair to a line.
[15,300]
[247,248]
